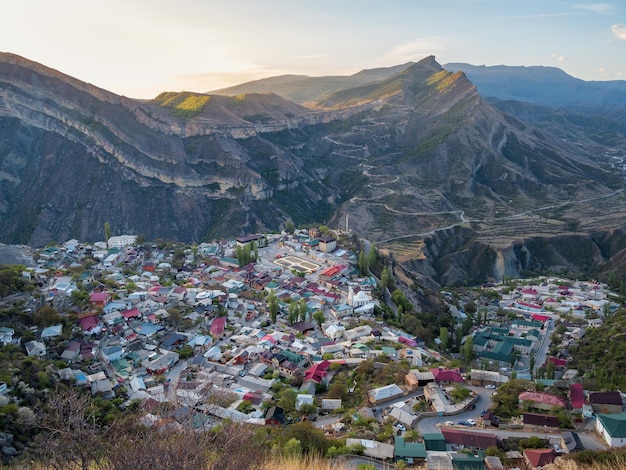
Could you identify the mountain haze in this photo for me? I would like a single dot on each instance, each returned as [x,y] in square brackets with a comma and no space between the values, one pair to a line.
[412,156]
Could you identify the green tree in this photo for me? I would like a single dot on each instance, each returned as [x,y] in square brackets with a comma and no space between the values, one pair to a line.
[372,257]
[185,352]
[443,336]
[468,349]
[245,406]
[319,317]
[338,390]
[532,442]
[47,316]
[293,313]
[384,279]
[302,310]
[470,308]
[362,263]
[107,232]
[292,448]
[287,400]
[272,304]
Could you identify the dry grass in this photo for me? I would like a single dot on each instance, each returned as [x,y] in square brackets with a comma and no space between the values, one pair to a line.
[308,462]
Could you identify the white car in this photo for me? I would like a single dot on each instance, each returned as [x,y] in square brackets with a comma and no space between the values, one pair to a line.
[471,422]
[490,386]
[449,423]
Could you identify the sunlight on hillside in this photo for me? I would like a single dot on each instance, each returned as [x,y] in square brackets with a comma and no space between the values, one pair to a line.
[185,104]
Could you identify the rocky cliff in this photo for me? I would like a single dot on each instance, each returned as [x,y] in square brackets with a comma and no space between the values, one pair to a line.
[413,151]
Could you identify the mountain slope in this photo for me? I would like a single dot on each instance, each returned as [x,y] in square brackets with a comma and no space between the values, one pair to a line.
[403,153]
[547,86]
[305,89]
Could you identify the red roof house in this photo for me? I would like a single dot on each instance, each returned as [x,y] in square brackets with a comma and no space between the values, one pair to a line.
[537,317]
[317,372]
[447,375]
[218,325]
[557,362]
[131,313]
[88,323]
[577,396]
[542,401]
[539,457]
[477,440]
[99,299]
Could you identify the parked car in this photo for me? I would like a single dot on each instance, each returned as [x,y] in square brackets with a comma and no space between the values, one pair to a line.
[463,423]
[490,386]
[449,423]
[471,422]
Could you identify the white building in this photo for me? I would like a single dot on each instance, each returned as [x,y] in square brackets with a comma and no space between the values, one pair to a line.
[122,241]
[612,428]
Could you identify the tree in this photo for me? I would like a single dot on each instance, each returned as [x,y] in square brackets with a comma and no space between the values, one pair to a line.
[287,400]
[185,352]
[514,356]
[107,232]
[319,317]
[290,227]
[293,313]
[272,304]
[338,390]
[384,279]
[292,448]
[69,425]
[362,263]
[470,308]
[372,257]
[443,336]
[302,310]
[47,316]
[468,349]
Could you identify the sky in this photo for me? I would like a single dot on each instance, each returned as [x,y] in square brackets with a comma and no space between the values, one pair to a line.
[139,48]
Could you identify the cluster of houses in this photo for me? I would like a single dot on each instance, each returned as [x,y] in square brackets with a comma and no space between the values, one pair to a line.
[503,342]
[143,315]
[197,332]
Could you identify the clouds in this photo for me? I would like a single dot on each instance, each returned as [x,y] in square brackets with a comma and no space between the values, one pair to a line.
[603,8]
[416,50]
[619,31]
[560,58]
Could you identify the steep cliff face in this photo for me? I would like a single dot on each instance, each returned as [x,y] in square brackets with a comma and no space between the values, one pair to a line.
[412,152]
[458,257]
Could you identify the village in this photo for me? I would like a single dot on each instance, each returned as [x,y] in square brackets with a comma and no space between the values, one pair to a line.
[272,329]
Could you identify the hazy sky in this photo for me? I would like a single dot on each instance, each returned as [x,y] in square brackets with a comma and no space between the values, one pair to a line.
[139,48]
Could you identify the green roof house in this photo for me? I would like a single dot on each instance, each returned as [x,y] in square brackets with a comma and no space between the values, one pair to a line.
[434,441]
[612,428]
[462,461]
[408,451]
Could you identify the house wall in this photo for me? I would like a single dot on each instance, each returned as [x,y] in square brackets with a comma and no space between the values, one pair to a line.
[611,441]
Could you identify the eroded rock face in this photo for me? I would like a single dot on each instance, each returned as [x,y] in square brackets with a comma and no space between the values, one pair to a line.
[411,153]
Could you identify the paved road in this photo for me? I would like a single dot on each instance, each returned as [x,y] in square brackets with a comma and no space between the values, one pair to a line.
[589,439]
[428,425]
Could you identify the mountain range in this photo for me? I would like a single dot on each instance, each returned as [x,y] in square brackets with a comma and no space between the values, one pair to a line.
[458,177]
